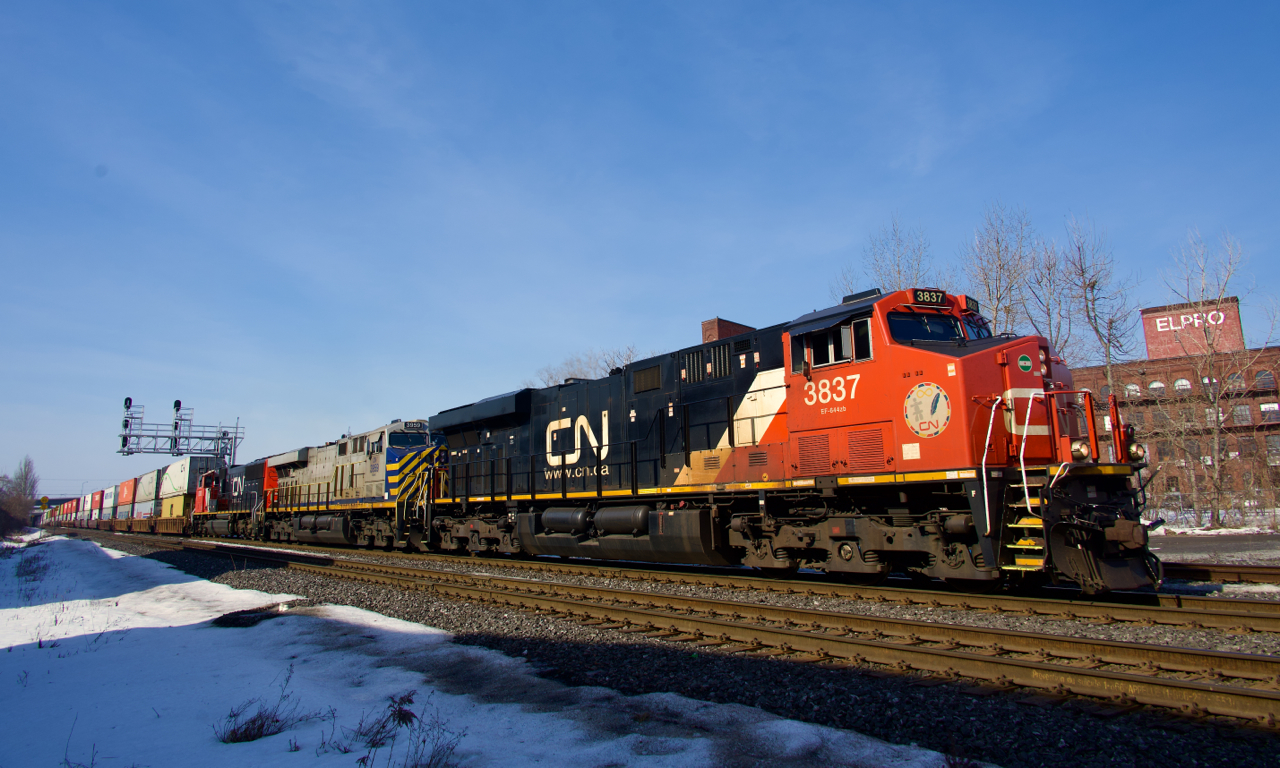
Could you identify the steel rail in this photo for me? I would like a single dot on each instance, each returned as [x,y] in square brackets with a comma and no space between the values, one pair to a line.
[1147,609]
[1059,664]
[1223,572]
[1238,665]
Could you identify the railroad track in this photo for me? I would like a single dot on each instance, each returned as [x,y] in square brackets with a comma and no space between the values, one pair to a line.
[1249,574]
[1194,682]
[1146,609]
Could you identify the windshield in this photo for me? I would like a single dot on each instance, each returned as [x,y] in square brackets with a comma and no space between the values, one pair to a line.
[919,326]
[407,439]
[978,327]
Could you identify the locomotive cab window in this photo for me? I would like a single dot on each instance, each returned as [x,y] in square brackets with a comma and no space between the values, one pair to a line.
[921,326]
[977,327]
[407,439]
[851,341]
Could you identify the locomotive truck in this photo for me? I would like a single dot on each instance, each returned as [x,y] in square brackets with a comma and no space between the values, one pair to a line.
[889,433]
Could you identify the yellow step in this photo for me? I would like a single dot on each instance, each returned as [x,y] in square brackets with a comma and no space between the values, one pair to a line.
[1037,562]
[1022,567]
[1028,522]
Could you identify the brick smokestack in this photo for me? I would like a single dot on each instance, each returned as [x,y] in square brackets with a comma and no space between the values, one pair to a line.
[716,329]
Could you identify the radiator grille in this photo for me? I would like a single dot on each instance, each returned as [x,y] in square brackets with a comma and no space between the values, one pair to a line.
[711,462]
[718,364]
[693,370]
[648,378]
[757,459]
[866,451]
[815,455]
[741,346]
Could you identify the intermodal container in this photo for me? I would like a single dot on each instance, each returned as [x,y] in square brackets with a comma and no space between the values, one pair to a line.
[124,498]
[180,477]
[149,486]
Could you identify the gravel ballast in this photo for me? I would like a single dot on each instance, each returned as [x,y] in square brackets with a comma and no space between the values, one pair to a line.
[993,728]
[1267,643]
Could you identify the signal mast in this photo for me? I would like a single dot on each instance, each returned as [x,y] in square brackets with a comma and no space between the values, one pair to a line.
[179,437]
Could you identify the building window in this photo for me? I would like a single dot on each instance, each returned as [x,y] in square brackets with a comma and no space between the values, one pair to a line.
[1241,416]
[1164,450]
[1162,419]
[1270,413]
[1208,417]
[1138,419]
[1192,449]
[1209,384]
[1105,391]
[1265,380]
[1156,388]
[1235,382]
[1132,391]
[1273,450]
[1182,386]
[1247,445]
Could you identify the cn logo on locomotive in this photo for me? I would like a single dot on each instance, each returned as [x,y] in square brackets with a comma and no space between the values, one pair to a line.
[581,426]
[927,409]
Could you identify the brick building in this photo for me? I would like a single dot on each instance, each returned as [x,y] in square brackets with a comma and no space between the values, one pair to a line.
[1173,397]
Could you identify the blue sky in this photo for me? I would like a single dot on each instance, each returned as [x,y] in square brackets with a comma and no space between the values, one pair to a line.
[319,216]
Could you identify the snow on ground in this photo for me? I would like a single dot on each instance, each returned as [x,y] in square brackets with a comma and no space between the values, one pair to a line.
[111,660]
[1191,530]
[18,540]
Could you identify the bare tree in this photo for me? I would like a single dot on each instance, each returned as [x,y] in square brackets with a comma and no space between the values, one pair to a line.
[589,364]
[995,265]
[17,495]
[1203,278]
[1101,297]
[1046,302]
[895,257]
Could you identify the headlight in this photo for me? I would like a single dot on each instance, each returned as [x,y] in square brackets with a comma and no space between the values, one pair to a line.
[1137,452]
[1080,449]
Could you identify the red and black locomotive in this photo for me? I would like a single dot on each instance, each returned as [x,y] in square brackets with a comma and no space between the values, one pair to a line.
[889,433]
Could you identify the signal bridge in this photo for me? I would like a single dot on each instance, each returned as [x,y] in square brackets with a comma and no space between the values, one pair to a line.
[179,437]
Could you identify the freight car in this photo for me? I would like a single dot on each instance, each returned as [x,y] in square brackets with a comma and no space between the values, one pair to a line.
[887,433]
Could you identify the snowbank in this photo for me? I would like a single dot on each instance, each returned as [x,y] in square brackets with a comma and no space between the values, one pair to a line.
[113,657]
[27,537]
[1177,530]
